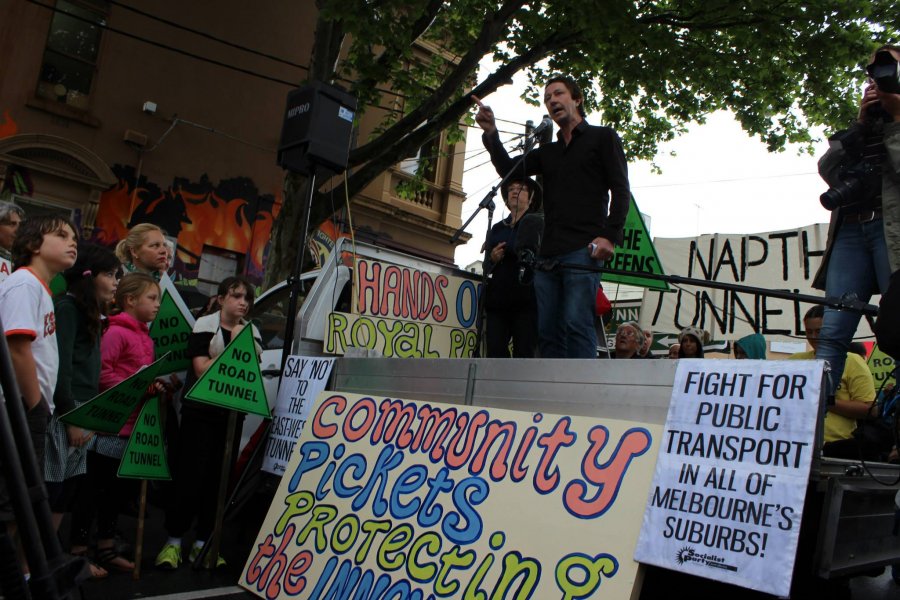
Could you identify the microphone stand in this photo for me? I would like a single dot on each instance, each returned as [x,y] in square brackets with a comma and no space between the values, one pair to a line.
[488,203]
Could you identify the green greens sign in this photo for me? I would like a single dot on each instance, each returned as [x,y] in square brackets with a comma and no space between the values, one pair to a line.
[108,411]
[233,380]
[171,328]
[145,454]
[636,254]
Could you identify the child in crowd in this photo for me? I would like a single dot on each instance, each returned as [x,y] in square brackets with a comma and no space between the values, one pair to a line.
[690,342]
[43,248]
[125,348]
[80,313]
[201,443]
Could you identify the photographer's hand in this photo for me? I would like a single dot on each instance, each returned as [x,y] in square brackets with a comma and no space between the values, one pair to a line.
[869,99]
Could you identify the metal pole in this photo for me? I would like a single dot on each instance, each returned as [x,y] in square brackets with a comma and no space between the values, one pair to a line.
[842,303]
[27,492]
[297,272]
[215,540]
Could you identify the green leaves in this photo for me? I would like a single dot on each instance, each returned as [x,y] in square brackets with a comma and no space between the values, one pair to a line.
[647,68]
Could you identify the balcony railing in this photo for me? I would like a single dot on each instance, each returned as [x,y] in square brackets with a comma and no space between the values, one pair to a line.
[429,197]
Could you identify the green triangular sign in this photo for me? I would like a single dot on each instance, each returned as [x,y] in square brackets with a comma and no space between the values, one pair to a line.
[108,411]
[171,328]
[882,367]
[637,254]
[233,380]
[145,454]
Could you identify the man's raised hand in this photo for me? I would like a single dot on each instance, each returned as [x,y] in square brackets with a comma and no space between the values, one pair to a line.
[485,116]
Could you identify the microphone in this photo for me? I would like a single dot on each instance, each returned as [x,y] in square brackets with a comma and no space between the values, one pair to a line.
[528,245]
[543,125]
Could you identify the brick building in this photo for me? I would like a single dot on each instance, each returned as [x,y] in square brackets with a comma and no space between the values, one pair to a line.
[116,113]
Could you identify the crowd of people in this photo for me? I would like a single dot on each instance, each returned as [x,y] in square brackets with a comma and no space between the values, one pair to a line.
[583,182]
[69,346]
[76,315]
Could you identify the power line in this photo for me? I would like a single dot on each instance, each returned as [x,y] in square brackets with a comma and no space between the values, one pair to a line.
[685,183]
[231,44]
[208,36]
[157,44]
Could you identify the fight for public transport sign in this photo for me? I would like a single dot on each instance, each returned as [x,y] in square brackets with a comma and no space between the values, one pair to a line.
[390,498]
[734,459]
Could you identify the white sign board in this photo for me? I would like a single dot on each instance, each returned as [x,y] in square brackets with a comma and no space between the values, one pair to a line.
[730,481]
[776,260]
[301,382]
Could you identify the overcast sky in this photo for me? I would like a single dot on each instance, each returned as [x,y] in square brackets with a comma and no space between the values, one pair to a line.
[721,181]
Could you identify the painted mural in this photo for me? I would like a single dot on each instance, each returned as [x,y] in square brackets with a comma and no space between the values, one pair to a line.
[8,126]
[230,214]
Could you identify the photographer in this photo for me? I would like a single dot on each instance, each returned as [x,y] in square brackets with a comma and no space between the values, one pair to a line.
[862,166]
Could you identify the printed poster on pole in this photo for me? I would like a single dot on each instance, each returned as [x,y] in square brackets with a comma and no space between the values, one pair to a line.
[303,379]
[391,498]
[727,496]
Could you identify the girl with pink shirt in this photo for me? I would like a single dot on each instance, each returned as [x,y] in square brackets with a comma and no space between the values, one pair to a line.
[125,348]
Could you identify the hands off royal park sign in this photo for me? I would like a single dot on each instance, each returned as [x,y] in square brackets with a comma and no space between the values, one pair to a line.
[728,492]
[408,313]
[389,498]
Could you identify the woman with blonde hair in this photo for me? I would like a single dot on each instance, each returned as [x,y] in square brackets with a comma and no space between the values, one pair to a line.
[144,250]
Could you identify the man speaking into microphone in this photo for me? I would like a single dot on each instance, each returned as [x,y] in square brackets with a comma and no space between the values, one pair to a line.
[586,198]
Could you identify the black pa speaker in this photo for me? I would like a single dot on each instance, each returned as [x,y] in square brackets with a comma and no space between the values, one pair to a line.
[318,122]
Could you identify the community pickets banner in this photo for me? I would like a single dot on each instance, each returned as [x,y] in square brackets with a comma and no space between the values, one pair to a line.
[233,380]
[108,411]
[171,328]
[391,498]
[727,496]
[405,312]
[303,379]
[782,260]
[145,453]
[636,254]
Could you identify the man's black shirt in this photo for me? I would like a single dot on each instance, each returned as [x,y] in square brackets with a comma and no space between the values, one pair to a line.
[578,179]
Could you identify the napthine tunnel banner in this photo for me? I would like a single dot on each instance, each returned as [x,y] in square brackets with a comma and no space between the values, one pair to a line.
[396,499]
[727,496]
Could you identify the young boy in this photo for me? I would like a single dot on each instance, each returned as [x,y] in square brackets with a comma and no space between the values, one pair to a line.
[44,247]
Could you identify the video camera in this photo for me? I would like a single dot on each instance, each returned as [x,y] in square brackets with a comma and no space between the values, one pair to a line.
[860,179]
[885,72]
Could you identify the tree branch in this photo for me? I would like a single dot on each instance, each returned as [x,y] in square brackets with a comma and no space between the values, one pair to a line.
[410,143]
[390,55]
[487,37]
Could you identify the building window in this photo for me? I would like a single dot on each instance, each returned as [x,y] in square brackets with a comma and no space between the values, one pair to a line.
[70,58]
[424,163]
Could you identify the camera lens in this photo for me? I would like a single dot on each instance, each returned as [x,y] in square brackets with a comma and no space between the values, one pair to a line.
[841,194]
